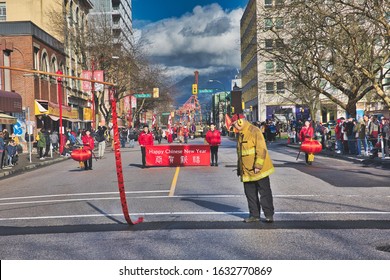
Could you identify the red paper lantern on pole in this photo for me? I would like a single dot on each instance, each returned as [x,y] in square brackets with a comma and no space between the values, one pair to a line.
[81,154]
[311,146]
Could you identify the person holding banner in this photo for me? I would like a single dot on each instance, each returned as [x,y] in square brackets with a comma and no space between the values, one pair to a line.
[213,137]
[254,167]
[145,138]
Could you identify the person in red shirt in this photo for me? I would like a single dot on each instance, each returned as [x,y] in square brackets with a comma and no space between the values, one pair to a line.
[213,137]
[89,144]
[145,138]
[307,132]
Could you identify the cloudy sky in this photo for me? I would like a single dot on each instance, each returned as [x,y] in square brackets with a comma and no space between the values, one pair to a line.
[189,35]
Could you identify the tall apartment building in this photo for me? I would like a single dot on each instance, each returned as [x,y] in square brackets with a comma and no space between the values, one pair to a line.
[263,86]
[29,41]
[118,14]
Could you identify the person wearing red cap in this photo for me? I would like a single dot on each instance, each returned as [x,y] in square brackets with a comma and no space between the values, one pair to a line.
[254,167]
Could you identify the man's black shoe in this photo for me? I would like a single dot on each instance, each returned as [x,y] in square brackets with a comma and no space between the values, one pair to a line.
[269,220]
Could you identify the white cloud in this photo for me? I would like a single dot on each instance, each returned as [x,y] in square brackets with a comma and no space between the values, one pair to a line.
[208,38]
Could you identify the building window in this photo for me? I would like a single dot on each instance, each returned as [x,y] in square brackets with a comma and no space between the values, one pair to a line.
[269,88]
[268,23]
[280,87]
[36,58]
[279,43]
[3,11]
[267,3]
[268,44]
[279,23]
[279,66]
[279,3]
[45,63]
[269,67]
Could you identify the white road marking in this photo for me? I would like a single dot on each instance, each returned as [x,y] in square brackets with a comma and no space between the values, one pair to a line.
[79,194]
[142,197]
[196,213]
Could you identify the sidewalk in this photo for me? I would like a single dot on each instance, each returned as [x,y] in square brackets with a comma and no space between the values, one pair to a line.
[24,164]
[364,160]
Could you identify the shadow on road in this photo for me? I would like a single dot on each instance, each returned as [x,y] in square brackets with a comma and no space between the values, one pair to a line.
[196,225]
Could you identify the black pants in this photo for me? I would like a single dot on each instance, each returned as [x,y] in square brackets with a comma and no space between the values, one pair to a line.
[214,154]
[40,152]
[88,164]
[143,153]
[252,191]
[2,158]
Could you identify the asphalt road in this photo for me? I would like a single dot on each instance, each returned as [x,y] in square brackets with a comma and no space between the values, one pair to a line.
[333,210]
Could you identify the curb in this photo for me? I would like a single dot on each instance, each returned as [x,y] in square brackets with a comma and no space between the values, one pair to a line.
[5,173]
[363,161]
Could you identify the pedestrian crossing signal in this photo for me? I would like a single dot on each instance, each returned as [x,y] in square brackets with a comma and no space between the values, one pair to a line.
[194,88]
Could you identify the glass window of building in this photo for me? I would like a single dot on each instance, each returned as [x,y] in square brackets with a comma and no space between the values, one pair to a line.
[269,88]
[3,11]
[280,87]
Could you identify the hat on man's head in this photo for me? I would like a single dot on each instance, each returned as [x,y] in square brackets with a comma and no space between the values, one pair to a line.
[236,117]
[145,125]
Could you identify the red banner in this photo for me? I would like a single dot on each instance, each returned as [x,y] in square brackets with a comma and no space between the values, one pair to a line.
[178,155]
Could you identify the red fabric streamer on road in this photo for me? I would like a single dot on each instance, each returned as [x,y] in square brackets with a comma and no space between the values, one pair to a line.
[118,161]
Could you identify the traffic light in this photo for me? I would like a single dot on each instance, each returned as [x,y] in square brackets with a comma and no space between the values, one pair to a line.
[250,108]
[232,110]
[194,88]
[156,92]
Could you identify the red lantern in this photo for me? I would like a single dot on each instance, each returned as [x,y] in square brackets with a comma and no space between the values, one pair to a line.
[311,146]
[81,154]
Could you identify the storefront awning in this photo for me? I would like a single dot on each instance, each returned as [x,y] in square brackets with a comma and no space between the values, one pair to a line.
[39,109]
[10,102]
[7,119]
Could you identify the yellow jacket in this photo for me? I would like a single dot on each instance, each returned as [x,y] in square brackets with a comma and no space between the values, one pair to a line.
[252,153]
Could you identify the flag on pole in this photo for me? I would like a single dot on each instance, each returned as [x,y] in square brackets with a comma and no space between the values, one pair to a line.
[228,121]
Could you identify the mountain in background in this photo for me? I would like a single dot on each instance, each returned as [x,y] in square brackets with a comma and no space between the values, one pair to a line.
[182,90]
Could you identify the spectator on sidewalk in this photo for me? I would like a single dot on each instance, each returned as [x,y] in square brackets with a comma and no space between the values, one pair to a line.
[11,152]
[41,143]
[101,139]
[54,139]
[361,137]
[385,131]
[48,142]
[2,149]
[373,131]
[339,135]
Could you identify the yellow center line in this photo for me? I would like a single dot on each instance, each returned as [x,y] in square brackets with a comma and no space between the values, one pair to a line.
[174,181]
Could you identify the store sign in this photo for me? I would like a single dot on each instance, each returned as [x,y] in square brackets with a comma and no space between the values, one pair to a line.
[178,155]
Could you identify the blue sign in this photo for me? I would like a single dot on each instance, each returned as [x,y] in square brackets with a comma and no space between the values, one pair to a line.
[205,91]
[143,95]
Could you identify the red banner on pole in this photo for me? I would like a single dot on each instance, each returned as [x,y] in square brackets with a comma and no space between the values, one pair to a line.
[178,155]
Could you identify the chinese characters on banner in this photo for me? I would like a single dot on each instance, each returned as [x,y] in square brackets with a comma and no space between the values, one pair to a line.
[178,155]
[98,76]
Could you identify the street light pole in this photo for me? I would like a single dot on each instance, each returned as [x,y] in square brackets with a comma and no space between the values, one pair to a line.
[59,92]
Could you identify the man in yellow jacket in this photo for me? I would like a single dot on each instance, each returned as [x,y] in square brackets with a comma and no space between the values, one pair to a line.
[254,167]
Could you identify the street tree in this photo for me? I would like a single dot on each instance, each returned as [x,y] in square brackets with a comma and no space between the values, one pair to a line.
[96,47]
[332,48]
